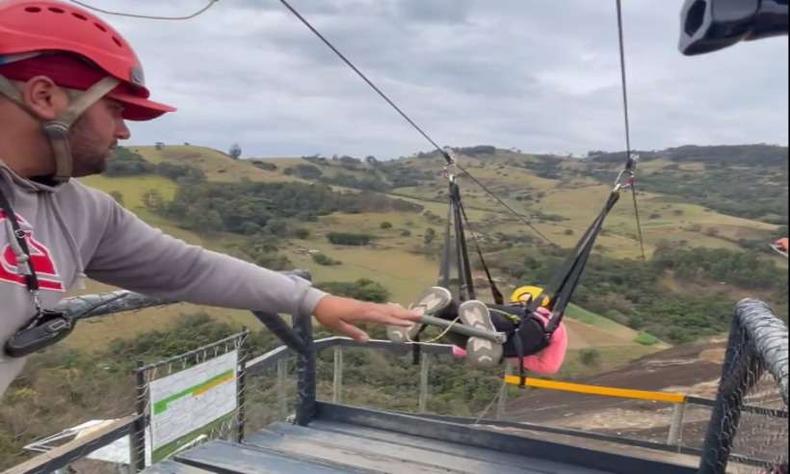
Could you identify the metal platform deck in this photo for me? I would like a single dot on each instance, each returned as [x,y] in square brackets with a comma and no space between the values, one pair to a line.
[353,440]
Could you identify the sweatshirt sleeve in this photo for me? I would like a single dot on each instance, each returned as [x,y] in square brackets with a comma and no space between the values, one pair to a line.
[133,255]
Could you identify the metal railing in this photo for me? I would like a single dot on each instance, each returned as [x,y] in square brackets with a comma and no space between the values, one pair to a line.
[758,342]
[299,343]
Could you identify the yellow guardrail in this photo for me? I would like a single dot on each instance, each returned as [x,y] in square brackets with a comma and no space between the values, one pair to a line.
[664,397]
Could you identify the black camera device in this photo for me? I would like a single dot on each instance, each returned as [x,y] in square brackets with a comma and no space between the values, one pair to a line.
[47,328]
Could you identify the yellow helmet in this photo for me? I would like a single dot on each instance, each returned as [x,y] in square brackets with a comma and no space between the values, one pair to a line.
[525,294]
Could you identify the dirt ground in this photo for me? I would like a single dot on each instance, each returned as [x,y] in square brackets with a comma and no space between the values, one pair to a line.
[691,369]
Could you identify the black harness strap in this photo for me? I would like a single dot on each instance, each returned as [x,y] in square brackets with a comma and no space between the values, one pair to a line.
[495,293]
[444,271]
[31,279]
[568,280]
[467,286]
[522,374]
[46,327]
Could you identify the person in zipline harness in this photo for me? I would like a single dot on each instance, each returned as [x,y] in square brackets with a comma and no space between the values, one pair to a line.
[541,353]
[68,82]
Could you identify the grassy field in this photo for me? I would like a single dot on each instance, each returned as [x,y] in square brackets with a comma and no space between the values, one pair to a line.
[216,165]
[395,259]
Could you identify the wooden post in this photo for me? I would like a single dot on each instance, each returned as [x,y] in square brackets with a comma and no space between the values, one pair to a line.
[337,380]
[424,368]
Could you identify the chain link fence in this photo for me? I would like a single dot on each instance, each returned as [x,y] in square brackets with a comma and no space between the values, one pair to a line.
[755,372]
[229,425]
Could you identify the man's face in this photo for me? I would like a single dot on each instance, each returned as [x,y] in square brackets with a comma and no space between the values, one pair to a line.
[95,135]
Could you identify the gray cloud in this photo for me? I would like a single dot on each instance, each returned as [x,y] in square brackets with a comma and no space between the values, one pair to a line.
[540,76]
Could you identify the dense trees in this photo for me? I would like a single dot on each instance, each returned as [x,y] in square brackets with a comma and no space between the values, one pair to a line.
[128,163]
[362,289]
[249,208]
[745,180]
[634,293]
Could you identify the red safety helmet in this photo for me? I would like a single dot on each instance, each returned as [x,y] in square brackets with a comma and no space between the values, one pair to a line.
[50,26]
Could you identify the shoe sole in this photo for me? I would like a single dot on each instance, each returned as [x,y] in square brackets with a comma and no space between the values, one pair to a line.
[480,352]
[434,300]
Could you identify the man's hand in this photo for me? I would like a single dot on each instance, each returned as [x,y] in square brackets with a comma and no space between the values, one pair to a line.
[341,315]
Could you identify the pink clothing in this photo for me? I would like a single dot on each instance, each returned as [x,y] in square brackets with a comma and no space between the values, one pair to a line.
[546,362]
[549,360]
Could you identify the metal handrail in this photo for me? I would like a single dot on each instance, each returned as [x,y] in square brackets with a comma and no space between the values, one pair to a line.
[758,342]
[763,335]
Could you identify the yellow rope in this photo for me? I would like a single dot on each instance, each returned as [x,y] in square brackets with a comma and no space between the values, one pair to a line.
[443,333]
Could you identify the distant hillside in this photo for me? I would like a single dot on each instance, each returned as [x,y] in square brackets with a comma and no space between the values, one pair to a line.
[373,229]
[746,181]
[304,212]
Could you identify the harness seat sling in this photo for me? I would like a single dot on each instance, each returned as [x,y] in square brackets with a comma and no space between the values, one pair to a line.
[530,335]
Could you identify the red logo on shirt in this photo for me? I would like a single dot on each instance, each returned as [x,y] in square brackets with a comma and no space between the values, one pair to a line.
[40,257]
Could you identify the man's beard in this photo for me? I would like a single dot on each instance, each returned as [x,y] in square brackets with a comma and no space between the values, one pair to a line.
[89,154]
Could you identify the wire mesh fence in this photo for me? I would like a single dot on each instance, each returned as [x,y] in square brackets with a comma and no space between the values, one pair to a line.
[755,372]
[761,434]
[198,417]
[271,394]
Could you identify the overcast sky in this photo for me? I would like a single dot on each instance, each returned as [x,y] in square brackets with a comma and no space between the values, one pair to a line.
[541,76]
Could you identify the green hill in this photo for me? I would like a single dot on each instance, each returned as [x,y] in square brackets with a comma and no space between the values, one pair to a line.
[708,214]
[398,203]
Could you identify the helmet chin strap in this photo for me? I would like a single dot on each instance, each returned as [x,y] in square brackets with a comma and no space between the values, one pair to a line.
[57,130]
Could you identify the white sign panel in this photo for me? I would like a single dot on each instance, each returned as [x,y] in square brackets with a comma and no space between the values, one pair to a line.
[193,398]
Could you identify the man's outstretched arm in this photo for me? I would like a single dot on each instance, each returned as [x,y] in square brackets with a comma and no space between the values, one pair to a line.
[133,255]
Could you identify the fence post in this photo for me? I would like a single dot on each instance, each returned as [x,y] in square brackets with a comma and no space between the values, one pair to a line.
[337,376]
[424,368]
[501,406]
[675,436]
[282,392]
[305,370]
[241,386]
[137,438]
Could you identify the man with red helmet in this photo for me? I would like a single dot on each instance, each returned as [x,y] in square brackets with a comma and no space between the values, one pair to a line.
[68,81]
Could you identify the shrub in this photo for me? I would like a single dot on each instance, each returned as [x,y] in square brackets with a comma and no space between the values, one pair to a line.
[347,238]
[301,233]
[362,289]
[128,163]
[590,357]
[325,260]
[430,235]
[646,339]
[118,196]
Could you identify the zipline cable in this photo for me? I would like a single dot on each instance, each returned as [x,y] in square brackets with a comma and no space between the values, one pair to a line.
[365,78]
[450,161]
[210,4]
[630,163]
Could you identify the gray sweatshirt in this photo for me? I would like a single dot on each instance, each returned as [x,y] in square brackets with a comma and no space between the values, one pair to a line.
[74,230]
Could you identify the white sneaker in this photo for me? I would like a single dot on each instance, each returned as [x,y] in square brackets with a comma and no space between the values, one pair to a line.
[480,352]
[432,301]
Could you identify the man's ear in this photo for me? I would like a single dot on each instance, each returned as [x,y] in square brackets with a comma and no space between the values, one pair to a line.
[44,98]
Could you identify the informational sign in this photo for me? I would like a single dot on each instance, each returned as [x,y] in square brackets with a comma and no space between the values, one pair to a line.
[192,399]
